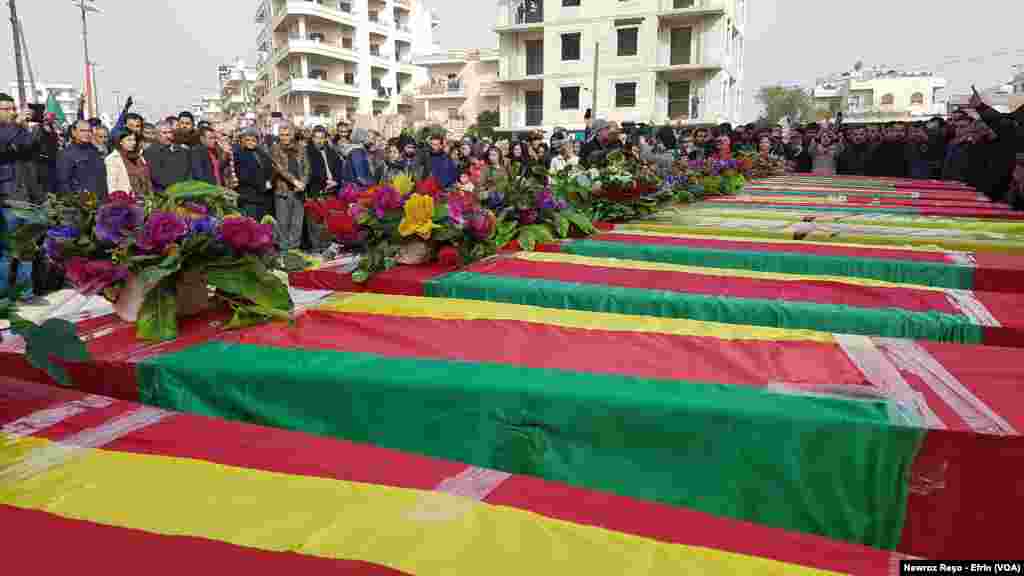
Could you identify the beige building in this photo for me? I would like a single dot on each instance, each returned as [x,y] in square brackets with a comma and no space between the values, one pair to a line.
[881,95]
[327,60]
[653,61]
[460,84]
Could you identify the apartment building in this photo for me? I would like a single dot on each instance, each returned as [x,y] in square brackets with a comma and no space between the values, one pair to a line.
[325,60]
[629,60]
[878,94]
[66,95]
[460,84]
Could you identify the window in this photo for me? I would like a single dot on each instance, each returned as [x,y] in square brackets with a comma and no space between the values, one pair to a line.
[570,98]
[627,41]
[678,99]
[680,46]
[625,94]
[534,57]
[888,100]
[571,46]
[680,4]
[570,2]
[917,98]
[534,108]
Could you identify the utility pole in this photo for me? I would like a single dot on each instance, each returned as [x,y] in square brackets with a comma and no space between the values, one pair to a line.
[17,52]
[28,63]
[86,6]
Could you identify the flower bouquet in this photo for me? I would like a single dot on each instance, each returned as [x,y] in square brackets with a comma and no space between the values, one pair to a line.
[761,167]
[156,261]
[716,177]
[530,213]
[622,189]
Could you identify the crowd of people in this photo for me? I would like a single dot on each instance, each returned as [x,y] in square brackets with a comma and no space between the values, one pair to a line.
[274,173]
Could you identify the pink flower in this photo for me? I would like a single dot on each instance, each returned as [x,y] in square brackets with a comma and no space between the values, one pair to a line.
[247,235]
[161,230]
[92,276]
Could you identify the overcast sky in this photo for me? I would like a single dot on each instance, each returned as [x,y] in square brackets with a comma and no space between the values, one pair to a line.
[166,53]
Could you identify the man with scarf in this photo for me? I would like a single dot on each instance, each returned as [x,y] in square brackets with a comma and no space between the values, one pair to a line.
[255,168]
[208,162]
[325,169]
[410,154]
[170,160]
[291,176]
[80,167]
[855,158]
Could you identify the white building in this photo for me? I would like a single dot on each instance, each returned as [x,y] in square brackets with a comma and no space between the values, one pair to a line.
[460,85]
[878,94]
[66,94]
[324,60]
[209,108]
[239,87]
[655,61]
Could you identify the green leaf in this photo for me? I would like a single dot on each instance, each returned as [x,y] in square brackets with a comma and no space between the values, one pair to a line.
[360,276]
[580,221]
[166,268]
[47,344]
[158,316]
[254,315]
[251,280]
[561,226]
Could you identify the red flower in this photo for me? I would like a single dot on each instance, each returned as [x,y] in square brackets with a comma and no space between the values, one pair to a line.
[316,209]
[340,223]
[449,257]
[429,187]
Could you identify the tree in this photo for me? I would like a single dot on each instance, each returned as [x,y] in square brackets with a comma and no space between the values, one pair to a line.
[486,122]
[793,104]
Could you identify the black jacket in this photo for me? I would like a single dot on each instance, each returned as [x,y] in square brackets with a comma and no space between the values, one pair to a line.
[593,150]
[1001,154]
[202,167]
[80,168]
[889,160]
[317,170]
[801,159]
[855,159]
[168,164]
[254,169]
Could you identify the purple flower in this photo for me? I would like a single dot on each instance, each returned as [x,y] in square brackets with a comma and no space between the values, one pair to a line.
[495,200]
[349,193]
[204,225]
[482,224]
[545,200]
[161,230]
[55,239]
[386,198]
[356,211]
[92,276]
[116,221]
[456,209]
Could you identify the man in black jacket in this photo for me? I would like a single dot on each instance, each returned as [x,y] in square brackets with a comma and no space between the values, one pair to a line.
[169,162]
[797,156]
[889,158]
[856,156]
[255,170]
[1008,141]
[80,167]
[208,164]
[603,141]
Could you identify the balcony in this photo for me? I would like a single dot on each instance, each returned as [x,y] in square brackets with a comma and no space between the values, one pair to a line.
[314,86]
[319,47]
[681,11]
[334,12]
[520,16]
[491,89]
[380,22]
[443,89]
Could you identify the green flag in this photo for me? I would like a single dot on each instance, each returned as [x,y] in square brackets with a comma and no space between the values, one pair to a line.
[53,106]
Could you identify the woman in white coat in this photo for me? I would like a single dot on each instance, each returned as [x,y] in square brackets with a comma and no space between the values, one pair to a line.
[127,170]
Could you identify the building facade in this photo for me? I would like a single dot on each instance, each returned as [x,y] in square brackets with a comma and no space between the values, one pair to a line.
[881,95]
[66,95]
[460,84]
[648,61]
[327,60]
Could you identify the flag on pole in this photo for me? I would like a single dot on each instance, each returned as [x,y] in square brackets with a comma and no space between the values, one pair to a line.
[54,107]
[86,111]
